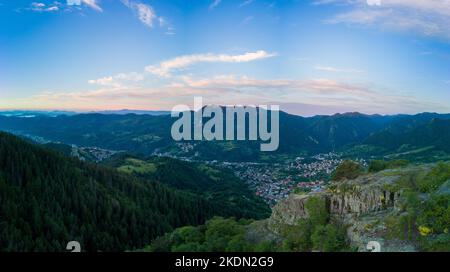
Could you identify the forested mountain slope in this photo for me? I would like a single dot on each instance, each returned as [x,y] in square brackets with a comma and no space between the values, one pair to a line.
[47,200]
[220,186]
[149,134]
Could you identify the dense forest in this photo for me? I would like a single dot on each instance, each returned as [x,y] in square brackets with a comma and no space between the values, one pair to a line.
[317,232]
[47,199]
[220,186]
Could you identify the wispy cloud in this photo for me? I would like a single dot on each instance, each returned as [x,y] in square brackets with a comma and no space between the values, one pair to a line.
[42,7]
[245,3]
[90,3]
[214,4]
[247,20]
[336,70]
[165,68]
[229,90]
[93,4]
[429,18]
[118,80]
[145,13]
[327,92]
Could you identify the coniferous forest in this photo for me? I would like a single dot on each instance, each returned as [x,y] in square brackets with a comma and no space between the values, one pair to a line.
[47,200]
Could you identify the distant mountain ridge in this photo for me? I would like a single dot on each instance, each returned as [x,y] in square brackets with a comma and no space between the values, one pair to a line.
[138,112]
[34,113]
[150,134]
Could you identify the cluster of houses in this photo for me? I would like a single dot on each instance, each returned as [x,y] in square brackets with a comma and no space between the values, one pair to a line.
[92,153]
[274,182]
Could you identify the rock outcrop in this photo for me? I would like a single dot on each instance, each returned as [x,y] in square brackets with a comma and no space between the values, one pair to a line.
[351,198]
[362,204]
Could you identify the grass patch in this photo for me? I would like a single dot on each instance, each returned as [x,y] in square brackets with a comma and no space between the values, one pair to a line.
[137,166]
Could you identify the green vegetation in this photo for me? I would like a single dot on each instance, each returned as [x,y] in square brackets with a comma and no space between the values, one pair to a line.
[135,166]
[217,235]
[317,232]
[426,210]
[230,235]
[380,165]
[347,170]
[47,199]
[219,186]
[423,136]
[434,179]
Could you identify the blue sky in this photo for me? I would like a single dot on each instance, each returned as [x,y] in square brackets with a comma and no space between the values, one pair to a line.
[310,57]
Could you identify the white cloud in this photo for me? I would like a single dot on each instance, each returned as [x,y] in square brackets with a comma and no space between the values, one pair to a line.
[426,17]
[245,3]
[247,20]
[92,4]
[229,90]
[374,2]
[164,68]
[41,7]
[118,80]
[336,70]
[145,13]
[327,92]
[214,4]
[360,17]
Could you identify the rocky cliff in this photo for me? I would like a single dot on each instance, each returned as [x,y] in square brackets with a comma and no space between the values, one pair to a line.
[361,204]
[357,197]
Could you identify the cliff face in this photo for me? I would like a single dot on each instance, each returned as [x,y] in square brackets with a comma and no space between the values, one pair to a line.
[362,196]
[351,198]
[362,204]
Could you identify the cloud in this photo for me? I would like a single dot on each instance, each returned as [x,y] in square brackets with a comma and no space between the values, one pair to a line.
[41,7]
[164,68]
[336,70]
[374,2]
[247,20]
[145,13]
[214,4]
[245,3]
[428,18]
[322,94]
[312,86]
[92,4]
[118,80]
[322,91]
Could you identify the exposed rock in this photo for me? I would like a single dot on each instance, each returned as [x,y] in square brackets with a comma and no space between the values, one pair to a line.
[371,228]
[365,201]
[353,197]
[444,189]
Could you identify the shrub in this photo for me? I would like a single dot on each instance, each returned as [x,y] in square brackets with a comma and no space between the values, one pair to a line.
[329,238]
[317,211]
[437,176]
[347,170]
[380,165]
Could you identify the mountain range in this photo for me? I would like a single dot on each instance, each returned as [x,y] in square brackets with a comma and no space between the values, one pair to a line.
[353,133]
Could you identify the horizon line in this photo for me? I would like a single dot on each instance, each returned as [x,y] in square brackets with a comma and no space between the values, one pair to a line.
[100,111]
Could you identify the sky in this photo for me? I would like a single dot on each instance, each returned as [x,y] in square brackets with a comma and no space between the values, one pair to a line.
[308,56]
